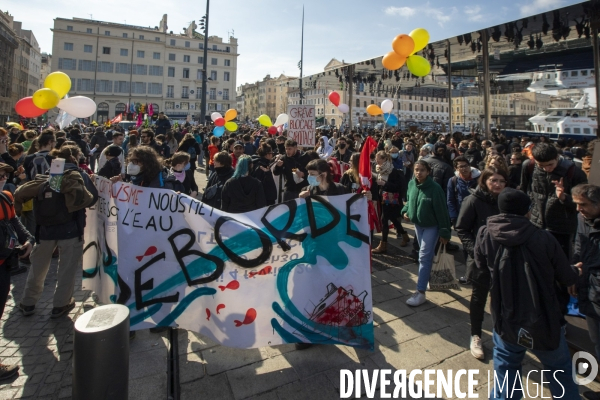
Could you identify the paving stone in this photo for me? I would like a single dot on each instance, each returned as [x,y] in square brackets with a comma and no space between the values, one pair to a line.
[390,310]
[318,358]
[314,388]
[191,367]
[209,387]
[65,392]
[147,363]
[386,292]
[26,391]
[8,393]
[266,375]
[149,387]
[193,342]
[220,359]
[408,356]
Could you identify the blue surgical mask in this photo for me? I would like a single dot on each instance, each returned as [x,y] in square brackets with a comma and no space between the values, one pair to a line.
[187,166]
[394,155]
[312,180]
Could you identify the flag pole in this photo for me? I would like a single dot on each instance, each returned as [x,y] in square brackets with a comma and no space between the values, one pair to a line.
[302,56]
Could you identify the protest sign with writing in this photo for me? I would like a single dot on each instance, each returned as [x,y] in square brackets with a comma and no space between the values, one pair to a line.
[292,272]
[302,124]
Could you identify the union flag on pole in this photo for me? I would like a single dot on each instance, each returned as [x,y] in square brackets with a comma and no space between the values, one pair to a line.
[117,119]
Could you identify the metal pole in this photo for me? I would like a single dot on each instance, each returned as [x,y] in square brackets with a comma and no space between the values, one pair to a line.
[596,69]
[101,354]
[173,387]
[486,84]
[204,78]
[449,72]
[302,60]
[350,89]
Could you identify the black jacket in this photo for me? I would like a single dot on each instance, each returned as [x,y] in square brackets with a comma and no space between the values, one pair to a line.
[396,183]
[298,161]
[342,157]
[160,149]
[76,137]
[185,146]
[266,178]
[474,157]
[548,212]
[474,212]
[242,195]
[441,171]
[111,168]
[189,183]
[99,139]
[587,251]
[514,175]
[334,189]
[165,180]
[162,125]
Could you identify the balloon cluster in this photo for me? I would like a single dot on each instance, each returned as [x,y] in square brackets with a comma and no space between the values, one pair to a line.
[273,128]
[404,49]
[56,86]
[222,123]
[386,109]
[334,97]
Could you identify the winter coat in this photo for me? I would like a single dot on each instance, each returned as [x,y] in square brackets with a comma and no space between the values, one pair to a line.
[110,168]
[474,212]
[185,146]
[587,251]
[514,175]
[266,178]
[164,180]
[297,161]
[547,211]
[219,176]
[458,189]
[162,126]
[426,206]
[396,183]
[342,158]
[474,157]
[83,146]
[249,149]
[334,189]
[242,195]
[99,139]
[441,171]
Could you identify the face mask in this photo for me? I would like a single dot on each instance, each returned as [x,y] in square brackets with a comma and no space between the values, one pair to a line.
[133,169]
[187,166]
[394,155]
[342,146]
[312,180]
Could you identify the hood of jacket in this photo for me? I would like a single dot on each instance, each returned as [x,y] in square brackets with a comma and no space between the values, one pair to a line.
[483,195]
[510,230]
[475,173]
[246,185]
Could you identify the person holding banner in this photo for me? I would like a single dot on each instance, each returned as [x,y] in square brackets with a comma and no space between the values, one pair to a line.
[293,167]
[320,181]
[182,171]
[263,173]
[242,193]
[145,169]
[221,174]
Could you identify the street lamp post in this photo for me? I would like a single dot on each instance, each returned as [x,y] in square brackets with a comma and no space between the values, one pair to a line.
[204,23]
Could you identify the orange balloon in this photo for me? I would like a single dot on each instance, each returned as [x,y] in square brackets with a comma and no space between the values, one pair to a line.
[374,110]
[403,45]
[393,61]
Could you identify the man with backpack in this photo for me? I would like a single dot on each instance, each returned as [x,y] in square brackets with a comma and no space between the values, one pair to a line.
[98,144]
[525,262]
[39,162]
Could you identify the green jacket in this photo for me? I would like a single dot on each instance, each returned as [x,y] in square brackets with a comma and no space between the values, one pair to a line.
[426,206]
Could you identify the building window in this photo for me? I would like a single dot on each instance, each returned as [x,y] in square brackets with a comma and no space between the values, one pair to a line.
[186,59]
[187,44]
[85,85]
[155,88]
[213,75]
[106,33]
[156,55]
[157,39]
[199,75]
[67,63]
[89,30]
[171,72]
[227,49]
[172,42]
[228,63]
[169,105]
[87,65]
[212,106]
[170,91]
[124,52]
[121,87]
[171,57]
[68,46]
[141,37]
[213,61]
[69,27]
[201,46]
[200,60]
[155,70]
[138,87]
[105,66]
[214,47]
[106,50]
[140,69]
[87,48]
[103,86]
[225,94]
[212,94]
[198,93]
[226,76]
[184,105]
[186,73]
[185,92]
[122,68]
[124,35]
[141,53]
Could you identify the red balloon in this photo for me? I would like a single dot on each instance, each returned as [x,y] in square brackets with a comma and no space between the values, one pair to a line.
[334,97]
[219,121]
[27,109]
[272,130]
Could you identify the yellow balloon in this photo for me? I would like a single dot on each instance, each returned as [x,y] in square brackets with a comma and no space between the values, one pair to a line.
[45,99]
[264,120]
[230,114]
[231,126]
[421,38]
[59,82]
[374,110]
[418,66]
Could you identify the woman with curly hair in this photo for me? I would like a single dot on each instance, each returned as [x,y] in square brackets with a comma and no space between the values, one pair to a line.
[242,193]
[180,168]
[144,168]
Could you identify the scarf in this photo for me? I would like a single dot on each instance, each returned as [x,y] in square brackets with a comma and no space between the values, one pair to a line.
[179,175]
[137,179]
[384,170]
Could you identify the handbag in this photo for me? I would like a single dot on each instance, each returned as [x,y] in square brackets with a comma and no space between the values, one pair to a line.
[443,272]
[390,198]
[8,235]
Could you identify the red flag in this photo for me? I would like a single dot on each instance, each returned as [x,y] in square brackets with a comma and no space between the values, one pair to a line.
[117,119]
[364,165]
[23,127]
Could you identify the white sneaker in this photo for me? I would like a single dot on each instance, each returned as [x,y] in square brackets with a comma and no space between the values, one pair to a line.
[477,348]
[416,299]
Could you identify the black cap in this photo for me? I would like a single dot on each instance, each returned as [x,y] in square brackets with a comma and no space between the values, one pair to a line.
[439,145]
[113,151]
[512,201]
[238,143]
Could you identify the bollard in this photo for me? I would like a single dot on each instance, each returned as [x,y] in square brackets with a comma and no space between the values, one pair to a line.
[101,354]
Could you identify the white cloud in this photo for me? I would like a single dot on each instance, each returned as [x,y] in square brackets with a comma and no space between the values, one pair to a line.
[474,13]
[537,6]
[401,11]
[441,15]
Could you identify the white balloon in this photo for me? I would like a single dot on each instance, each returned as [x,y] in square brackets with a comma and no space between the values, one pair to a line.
[78,106]
[386,106]
[343,108]
[215,116]
[281,119]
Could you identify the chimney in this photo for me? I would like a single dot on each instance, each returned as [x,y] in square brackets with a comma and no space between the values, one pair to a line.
[163,24]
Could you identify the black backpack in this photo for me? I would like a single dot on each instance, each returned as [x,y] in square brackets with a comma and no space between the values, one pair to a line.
[8,235]
[212,195]
[525,311]
[39,165]
[50,207]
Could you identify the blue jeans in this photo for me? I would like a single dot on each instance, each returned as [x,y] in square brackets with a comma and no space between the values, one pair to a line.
[427,238]
[507,361]
[594,330]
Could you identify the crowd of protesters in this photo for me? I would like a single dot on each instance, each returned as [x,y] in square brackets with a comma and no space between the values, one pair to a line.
[497,194]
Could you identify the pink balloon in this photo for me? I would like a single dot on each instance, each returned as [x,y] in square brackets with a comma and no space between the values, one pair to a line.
[26,108]
[334,97]
[219,121]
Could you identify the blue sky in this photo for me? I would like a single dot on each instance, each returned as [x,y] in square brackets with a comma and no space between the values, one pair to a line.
[268,31]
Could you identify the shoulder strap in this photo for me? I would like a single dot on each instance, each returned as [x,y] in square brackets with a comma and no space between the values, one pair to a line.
[2,203]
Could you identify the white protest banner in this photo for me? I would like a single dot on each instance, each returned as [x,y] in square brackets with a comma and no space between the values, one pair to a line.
[302,124]
[293,272]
